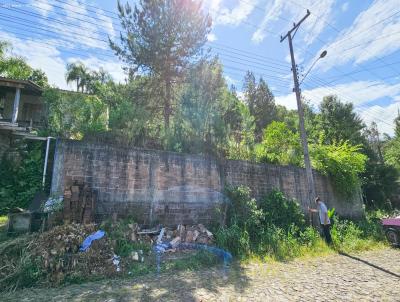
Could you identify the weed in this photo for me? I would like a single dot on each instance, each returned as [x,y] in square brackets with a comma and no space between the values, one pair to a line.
[275,228]
[119,233]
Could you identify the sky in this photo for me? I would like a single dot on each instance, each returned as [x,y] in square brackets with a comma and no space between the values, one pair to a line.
[362,39]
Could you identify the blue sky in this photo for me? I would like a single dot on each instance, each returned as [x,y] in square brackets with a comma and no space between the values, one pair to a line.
[362,39]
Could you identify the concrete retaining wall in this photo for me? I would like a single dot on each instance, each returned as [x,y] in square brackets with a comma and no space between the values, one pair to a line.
[170,188]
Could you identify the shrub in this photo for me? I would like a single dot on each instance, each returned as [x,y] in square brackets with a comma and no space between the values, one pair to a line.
[119,233]
[234,239]
[280,211]
[342,161]
[269,228]
[20,179]
[351,236]
[243,211]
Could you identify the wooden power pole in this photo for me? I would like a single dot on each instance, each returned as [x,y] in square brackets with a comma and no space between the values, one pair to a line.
[303,134]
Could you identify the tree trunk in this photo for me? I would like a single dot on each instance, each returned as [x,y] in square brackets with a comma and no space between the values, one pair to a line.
[167,102]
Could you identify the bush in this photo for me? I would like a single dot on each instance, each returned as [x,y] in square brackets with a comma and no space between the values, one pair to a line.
[243,211]
[281,212]
[341,161]
[271,228]
[234,239]
[276,228]
[21,177]
[348,236]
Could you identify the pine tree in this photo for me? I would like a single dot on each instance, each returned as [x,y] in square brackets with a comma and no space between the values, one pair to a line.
[161,38]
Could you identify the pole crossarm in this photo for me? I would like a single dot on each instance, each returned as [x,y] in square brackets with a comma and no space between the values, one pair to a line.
[295,26]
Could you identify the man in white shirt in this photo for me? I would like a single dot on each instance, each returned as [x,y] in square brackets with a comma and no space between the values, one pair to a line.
[323,218]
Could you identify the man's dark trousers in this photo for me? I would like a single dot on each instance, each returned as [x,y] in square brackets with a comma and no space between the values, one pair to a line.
[326,228]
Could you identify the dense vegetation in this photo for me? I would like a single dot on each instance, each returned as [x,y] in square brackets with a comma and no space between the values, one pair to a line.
[175,97]
[275,227]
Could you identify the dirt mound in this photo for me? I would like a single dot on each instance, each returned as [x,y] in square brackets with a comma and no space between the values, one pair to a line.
[61,259]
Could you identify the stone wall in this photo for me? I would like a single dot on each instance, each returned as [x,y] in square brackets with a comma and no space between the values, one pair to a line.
[170,188]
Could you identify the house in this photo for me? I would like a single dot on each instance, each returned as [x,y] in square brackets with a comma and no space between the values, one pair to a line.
[21,110]
[20,103]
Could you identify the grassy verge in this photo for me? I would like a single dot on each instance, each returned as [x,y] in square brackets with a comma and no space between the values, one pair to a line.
[274,228]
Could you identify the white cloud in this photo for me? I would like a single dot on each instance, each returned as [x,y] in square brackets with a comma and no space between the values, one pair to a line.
[345,6]
[230,81]
[286,9]
[297,57]
[211,37]
[359,93]
[386,115]
[47,53]
[41,56]
[43,7]
[112,66]
[365,39]
[236,15]
[222,15]
[107,22]
[87,29]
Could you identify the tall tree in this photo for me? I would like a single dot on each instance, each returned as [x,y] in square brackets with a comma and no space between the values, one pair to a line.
[39,77]
[77,72]
[339,122]
[250,90]
[162,38]
[264,110]
[12,66]
[204,117]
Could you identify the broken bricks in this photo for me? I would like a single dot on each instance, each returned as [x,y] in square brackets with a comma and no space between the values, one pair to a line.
[188,234]
[79,204]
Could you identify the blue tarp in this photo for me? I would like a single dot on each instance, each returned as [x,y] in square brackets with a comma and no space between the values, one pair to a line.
[88,240]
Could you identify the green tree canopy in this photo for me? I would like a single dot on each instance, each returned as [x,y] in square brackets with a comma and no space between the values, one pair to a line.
[16,67]
[280,145]
[338,121]
[162,38]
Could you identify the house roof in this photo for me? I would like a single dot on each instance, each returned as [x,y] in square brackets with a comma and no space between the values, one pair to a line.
[23,84]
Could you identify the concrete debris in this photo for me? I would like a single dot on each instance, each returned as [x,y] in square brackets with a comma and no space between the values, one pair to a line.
[175,242]
[186,234]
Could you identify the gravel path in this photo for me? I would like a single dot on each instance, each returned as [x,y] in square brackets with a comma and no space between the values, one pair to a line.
[369,276]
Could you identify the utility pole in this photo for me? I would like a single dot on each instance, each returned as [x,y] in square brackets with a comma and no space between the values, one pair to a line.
[307,163]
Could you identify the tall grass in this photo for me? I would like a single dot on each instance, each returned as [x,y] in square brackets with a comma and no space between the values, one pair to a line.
[275,228]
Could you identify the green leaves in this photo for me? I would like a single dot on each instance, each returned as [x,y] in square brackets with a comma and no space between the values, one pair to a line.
[280,145]
[16,67]
[342,162]
[21,177]
[72,115]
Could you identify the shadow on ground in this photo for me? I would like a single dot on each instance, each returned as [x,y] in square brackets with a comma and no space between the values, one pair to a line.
[172,286]
[370,264]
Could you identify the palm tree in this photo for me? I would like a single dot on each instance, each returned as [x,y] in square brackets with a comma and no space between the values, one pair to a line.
[77,72]
[102,76]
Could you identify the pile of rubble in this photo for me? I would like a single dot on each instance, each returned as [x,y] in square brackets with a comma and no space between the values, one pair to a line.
[58,251]
[186,234]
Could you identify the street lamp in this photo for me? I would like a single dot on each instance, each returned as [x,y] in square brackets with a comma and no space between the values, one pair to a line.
[322,55]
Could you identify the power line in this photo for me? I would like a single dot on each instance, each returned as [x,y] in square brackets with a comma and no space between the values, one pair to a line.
[247,23]
[247,52]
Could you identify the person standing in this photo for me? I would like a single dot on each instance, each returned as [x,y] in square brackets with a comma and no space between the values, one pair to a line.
[323,218]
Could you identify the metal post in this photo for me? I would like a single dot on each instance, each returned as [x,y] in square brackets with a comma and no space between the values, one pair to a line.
[45,162]
[16,105]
